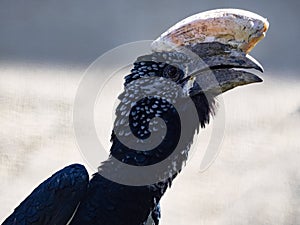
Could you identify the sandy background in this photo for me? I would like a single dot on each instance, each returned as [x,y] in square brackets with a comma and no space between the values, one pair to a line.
[254,180]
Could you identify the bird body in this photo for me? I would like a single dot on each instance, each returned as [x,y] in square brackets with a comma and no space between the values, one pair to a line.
[167,97]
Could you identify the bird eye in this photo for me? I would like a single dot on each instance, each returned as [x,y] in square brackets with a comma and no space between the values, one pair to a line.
[172,72]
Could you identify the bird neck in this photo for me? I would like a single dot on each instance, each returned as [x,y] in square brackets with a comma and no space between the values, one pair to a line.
[143,122]
[142,116]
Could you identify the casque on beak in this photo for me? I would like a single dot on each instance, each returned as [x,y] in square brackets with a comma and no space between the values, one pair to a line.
[218,42]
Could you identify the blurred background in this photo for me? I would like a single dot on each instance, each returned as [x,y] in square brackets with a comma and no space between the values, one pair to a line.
[76,32]
[45,47]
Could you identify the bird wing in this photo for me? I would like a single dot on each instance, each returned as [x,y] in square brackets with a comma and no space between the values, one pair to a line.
[54,201]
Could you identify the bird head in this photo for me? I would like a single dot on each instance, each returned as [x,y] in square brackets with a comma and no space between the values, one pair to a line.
[197,59]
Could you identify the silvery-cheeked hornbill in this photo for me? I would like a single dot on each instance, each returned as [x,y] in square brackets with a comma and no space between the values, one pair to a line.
[190,64]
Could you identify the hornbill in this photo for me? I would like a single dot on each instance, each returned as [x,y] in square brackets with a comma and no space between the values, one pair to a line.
[193,62]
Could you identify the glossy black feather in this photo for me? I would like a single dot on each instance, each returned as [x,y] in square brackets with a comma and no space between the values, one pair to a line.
[54,201]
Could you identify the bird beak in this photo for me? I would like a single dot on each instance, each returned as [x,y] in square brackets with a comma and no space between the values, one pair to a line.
[218,43]
[222,70]
[217,81]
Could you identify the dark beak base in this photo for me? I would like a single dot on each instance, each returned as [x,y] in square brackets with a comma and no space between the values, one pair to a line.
[220,69]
